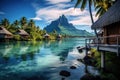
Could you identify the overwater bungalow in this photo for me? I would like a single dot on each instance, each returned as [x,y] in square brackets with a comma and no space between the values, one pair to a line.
[46,36]
[23,34]
[59,36]
[5,34]
[109,23]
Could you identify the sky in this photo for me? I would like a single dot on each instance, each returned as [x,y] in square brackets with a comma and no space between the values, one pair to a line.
[45,11]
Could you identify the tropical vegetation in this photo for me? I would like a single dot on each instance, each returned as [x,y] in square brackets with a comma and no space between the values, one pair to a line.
[29,26]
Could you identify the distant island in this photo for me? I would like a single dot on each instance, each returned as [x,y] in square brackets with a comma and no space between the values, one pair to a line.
[62,26]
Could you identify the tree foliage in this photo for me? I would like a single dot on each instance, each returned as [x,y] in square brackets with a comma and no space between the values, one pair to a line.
[28,25]
[101,6]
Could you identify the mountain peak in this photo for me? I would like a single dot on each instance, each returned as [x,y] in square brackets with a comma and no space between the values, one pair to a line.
[62,26]
[63,16]
[62,19]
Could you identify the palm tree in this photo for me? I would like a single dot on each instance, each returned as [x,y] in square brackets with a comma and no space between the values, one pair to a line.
[23,22]
[5,22]
[83,4]
[16,24]
[31,23]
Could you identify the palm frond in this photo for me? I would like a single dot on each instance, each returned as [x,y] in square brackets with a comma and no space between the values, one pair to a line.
[99,10]
[78,3]
[84,3]
[97,7]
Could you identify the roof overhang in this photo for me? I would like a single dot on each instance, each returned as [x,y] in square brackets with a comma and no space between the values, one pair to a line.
[110,17]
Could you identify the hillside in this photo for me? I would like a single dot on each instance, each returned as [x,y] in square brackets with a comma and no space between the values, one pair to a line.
[62,26]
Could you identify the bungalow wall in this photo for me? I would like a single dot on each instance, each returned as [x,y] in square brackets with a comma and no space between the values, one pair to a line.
[5,36]
[24,37]
[2,36]
[112,31]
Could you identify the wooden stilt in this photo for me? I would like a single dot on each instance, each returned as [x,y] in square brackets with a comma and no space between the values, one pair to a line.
[86,49]
[103,60]
[118,49]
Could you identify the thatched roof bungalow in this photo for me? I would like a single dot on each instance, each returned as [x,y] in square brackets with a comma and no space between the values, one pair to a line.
[4,33]
[110,23]
[23,33]
[59,36]
[46,36]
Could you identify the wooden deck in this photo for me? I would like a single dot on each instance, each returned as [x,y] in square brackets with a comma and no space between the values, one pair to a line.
[102,46]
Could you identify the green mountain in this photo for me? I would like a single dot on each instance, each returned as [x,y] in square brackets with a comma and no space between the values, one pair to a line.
[62,26]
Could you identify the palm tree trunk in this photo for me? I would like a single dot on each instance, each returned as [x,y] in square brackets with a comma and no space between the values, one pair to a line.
[90,11]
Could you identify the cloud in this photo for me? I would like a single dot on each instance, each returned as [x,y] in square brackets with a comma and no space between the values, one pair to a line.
[36,19]
[83,18]
[2,12]
[57,1]
[51,13]
[58,8]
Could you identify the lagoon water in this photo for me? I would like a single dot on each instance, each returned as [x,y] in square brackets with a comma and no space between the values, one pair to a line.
[42,60]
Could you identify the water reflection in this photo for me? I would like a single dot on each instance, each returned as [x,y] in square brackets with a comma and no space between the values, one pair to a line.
[23,50]
[41,60]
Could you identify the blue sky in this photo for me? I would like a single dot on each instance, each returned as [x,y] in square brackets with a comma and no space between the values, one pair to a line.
[45,11]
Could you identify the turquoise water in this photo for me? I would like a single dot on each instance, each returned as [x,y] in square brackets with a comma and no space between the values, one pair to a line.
[42,60]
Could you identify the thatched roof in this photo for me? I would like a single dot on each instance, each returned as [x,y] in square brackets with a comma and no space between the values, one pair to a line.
[46,35]
[59,36]
[111,16]
[22,32]
[4,31]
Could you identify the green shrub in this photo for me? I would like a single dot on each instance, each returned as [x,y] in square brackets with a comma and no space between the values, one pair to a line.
[17,37]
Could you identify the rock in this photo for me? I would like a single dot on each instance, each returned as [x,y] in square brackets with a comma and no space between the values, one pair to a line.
[80,50]
[81,60]
[63,79]
[72,67]
[65,73]
[89,60]
[78,47]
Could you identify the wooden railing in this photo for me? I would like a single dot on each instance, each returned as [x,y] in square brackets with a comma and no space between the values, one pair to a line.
[108,41]
[113,39]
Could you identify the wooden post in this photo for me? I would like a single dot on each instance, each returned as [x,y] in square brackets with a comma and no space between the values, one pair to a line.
[98,43]
[118,49]
[86,47]
[103,60]
[86,69]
